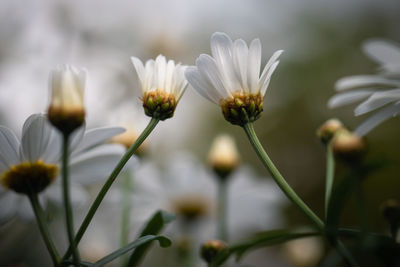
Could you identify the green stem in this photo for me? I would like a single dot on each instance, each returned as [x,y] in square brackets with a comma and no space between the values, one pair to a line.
[285,187]
[67,202]
[149,128]
[348,258]
[330,174]
[222,232]
[41,221]
[126,213]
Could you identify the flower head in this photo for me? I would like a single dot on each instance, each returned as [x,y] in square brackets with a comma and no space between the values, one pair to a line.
[231,77]
[66,110]
[31,165]
[162,83]
[223,156]
[380,91]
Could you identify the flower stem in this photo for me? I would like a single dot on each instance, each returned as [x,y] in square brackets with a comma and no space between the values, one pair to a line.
[41,221]
[330,174]
[285,187]
[67,202]
[126,213]
[222,231]
[89,216]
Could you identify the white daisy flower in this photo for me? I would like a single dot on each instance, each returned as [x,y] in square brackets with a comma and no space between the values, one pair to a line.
[163,83]
[231,78]
[33,163]
[379,91]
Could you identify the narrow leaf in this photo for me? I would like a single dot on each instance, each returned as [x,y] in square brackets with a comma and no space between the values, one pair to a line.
[163,241]
[152,227]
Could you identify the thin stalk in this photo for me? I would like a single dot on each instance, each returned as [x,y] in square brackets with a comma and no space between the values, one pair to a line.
[41,221]
[348,258]
[330,174]
[285,187]
[222,231]
[126,213]
[149,128]
[67,202]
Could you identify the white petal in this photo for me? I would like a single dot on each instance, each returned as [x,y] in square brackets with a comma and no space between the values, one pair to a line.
[76,137]
[384,52]
[53,151]
[202,86]
[9,146]
[361,81]
[254,65]
[149,79]
[95,164]
[377,119]
[240,54]
[169,71]
[160,72]
[222,51]
[79,195]
[137,63]
[271,70]
[264,74]
[377,100]
[97,136]
[208,70]
[348,97]
[25,210]
[35,137]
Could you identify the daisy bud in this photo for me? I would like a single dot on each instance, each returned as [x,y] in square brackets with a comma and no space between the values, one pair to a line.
[328,130]
[162,83]
[223,156]
[66,110]
[210,249]
[348,146]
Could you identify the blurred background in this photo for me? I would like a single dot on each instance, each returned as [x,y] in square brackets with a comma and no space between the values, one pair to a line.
[322,42]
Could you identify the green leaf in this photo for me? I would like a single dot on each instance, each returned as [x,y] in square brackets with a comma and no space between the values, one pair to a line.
[162,240]
[263,239]
[152,227]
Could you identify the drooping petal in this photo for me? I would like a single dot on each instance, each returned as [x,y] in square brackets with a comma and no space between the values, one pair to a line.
[202,86]
[349,97]
[97,136]
[377,100]
[9,145]
[35,137]
[377,119]
[95,164]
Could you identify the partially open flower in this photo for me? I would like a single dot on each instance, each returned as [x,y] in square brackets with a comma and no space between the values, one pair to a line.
[162,83]
[231,78]
[328,130]
[348,146]
[223,156]
[66,110]
[210,249]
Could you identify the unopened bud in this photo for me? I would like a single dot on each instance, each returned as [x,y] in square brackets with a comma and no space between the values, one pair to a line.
[328,130]
[223,156]
[210,249]
[348,146]
[66,110]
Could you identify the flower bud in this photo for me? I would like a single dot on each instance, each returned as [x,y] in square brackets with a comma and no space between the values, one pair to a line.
[66,110]
[223,156]
[328,130]
[348,146]
[210,249]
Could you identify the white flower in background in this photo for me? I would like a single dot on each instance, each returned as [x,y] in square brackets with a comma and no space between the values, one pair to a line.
[231,78]
[34,162]
[162,84]
[188,188]
[380,91]
[66,110]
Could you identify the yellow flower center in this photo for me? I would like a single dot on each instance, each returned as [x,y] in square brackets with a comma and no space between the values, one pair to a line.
[159,104]
[242,107]
[29,177]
